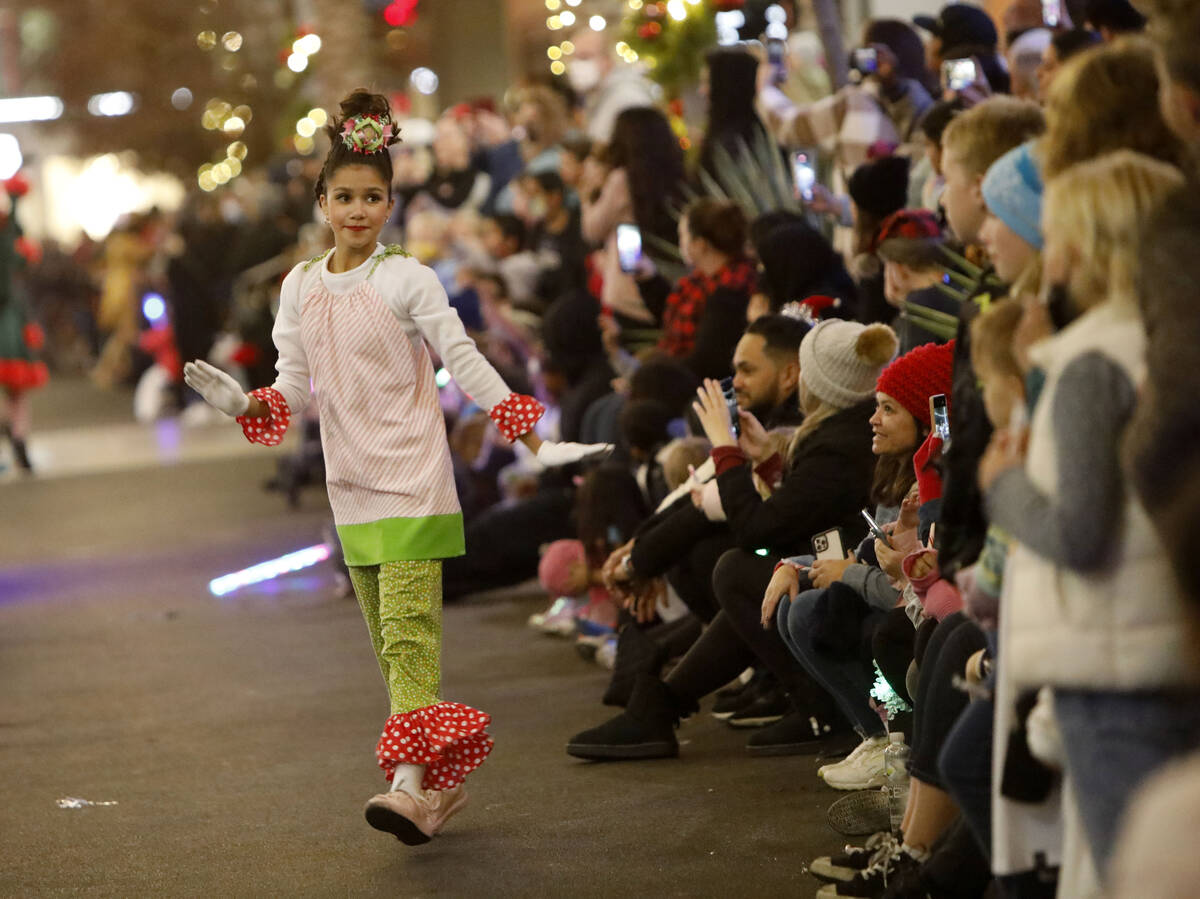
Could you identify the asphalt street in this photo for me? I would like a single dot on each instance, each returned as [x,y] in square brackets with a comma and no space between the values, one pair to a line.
[235,735]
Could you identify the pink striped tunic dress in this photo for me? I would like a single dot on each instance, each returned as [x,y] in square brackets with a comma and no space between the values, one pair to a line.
[359,338]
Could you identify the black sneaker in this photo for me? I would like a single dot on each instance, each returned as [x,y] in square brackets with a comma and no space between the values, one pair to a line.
[895,869]
[645,730]
[797,733]
[842,867]
[767,708]
[733,701]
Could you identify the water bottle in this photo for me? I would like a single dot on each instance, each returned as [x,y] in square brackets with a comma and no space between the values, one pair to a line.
[895,763]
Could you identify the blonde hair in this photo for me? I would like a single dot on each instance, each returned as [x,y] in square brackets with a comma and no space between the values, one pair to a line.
[1102,100]
[984,133]
[813,419]
[1099,208]
[992,334]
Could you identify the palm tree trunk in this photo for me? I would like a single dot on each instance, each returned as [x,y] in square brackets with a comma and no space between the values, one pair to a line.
[829,25]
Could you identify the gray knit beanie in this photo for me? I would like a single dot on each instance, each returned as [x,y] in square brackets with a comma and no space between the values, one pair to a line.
[840,361]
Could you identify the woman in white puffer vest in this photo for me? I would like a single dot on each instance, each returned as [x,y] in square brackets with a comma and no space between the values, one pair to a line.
[1090,607]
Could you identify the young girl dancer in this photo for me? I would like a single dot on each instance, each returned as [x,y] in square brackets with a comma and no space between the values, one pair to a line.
[354,321]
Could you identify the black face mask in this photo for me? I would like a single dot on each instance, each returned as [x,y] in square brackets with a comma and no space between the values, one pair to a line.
[1059,305]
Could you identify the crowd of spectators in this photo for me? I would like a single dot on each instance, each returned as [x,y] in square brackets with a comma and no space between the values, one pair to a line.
[1015,249]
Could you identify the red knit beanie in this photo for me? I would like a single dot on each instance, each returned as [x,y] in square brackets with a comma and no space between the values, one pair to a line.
[917,375]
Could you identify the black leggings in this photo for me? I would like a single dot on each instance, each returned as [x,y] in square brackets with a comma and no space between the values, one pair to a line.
[939,702]
[736,639]
[692,576]
[892,648]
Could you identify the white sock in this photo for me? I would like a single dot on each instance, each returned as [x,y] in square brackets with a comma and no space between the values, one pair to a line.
[408,778]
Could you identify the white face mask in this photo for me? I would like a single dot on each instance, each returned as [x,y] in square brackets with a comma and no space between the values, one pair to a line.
[584,74]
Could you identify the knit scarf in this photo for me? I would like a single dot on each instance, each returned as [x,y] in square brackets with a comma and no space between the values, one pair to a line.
[685,305]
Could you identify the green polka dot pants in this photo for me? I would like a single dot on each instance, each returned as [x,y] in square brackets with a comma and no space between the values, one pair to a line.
[402,605]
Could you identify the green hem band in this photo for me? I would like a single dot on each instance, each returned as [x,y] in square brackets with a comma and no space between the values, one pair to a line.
[403,539]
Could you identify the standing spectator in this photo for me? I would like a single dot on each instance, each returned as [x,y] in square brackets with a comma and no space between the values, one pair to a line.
[1063,45]
[1113,18]
[607,87]
[729,79]
[1123,676]
[962,30]
[644,179]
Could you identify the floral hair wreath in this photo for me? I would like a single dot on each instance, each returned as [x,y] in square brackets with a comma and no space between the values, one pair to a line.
[367,133]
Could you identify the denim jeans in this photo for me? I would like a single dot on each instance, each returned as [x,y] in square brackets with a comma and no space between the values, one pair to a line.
[848,681]
[1113,741]
[966,765]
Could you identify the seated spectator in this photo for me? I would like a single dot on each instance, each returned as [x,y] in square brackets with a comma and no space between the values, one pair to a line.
[822,607]
[504,239]
[826,477]
[454,183]
[796,262]
[704,313]
[557,236]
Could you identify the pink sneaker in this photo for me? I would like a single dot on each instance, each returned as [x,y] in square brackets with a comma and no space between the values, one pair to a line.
[410,820]
[449,804]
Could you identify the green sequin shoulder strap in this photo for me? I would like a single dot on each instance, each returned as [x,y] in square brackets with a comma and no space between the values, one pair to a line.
[390,250]
[317,259]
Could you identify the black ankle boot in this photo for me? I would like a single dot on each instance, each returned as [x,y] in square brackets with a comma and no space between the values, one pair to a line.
[637,654]
[21,454]
[645,730]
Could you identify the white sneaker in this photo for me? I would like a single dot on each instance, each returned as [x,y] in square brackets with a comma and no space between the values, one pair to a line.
[606,654]
[559,619]
[863,769]
[855,753]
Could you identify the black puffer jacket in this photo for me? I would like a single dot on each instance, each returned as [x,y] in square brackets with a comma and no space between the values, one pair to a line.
[826,485]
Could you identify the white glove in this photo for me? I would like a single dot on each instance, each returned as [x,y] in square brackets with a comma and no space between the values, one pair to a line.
[1042,733]
[553,455]
[220,390]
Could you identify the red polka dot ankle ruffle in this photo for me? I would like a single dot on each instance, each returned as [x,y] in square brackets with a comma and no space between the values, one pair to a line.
[516,415]
[449,739]
[267,431]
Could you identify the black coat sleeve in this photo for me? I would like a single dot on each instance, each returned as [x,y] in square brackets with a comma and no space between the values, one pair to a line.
[717,334]
[654,293]
[666,538]
[825,486]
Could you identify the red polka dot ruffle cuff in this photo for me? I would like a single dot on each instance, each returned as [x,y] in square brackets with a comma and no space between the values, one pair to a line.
[267,431]
[449,739]
[516,415]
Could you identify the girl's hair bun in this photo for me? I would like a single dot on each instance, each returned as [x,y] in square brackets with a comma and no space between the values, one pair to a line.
[361,101]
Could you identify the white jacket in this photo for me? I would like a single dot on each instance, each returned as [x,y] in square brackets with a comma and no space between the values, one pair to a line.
[1125,627]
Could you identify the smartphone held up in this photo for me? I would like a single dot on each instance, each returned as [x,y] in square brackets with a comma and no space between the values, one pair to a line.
[727,391]
[804,174]
[629,246]
[959,74]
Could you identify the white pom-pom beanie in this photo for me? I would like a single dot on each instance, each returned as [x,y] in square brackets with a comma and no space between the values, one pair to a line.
[840,361]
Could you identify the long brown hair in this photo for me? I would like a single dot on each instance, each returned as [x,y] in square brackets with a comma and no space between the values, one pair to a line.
[894,474]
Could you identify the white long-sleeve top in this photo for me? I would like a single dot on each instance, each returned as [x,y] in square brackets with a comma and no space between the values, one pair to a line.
[358,337]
